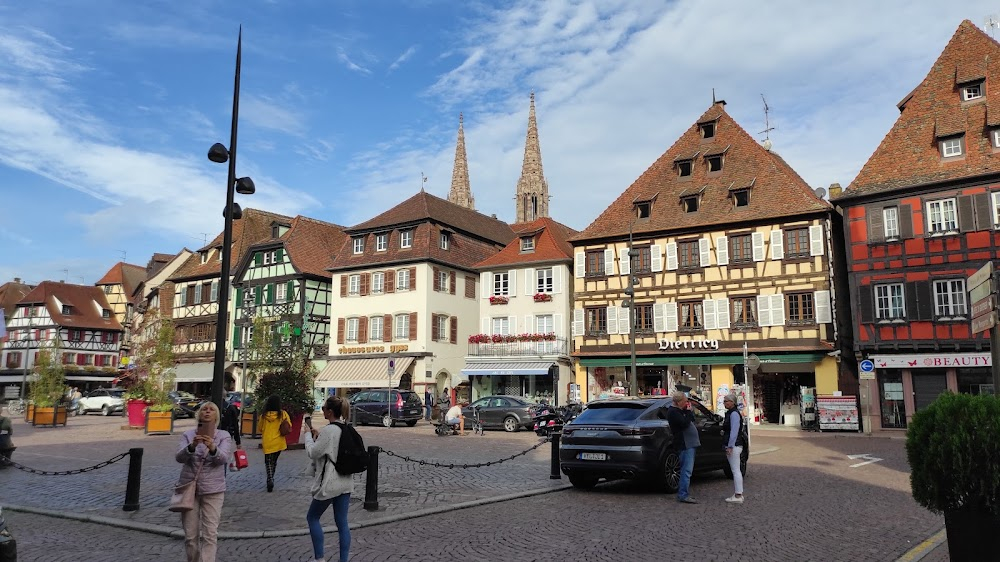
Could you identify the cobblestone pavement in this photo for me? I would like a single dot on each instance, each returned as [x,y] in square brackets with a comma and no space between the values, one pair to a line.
[804,502]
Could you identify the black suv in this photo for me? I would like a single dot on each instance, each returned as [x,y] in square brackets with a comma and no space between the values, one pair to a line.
[375,406]
[630,438]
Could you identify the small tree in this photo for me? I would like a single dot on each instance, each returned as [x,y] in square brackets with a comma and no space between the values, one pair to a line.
[263,352]
[50,384]
[153,363]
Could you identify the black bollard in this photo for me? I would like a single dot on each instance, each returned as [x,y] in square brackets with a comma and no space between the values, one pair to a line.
[134,476]
[371,484]
[554,475]
[8,546]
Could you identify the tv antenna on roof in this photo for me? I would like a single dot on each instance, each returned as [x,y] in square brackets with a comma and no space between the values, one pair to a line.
[423,180]
[767,125]
[124,254]
[992,22]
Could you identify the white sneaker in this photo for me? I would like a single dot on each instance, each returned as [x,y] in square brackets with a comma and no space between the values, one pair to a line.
[734,499]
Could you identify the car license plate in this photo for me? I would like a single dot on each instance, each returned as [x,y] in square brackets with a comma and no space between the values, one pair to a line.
[592,456]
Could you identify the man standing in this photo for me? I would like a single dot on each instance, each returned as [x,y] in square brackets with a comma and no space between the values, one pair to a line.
[685,430]
[428,402]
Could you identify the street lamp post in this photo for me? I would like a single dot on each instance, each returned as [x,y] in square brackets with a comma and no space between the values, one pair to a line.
[219,154]
[629,306]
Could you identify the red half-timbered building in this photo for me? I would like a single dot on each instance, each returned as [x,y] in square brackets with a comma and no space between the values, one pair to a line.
[921,216]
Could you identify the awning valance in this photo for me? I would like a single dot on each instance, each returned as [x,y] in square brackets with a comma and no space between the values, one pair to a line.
[372,372]
[714,359]
[91,378]
[194,372]
[507,368]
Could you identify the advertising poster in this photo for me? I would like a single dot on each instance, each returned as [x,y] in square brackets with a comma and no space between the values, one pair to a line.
[837,412]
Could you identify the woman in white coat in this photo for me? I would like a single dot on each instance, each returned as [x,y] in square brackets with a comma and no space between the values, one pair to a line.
[329,487]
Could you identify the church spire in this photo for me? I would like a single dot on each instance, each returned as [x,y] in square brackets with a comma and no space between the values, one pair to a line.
[532,189]
[461,191]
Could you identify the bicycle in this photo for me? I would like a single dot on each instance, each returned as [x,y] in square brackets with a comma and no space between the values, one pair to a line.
[17,407]
[477,422]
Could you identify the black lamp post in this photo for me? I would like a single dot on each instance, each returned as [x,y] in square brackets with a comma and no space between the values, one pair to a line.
[219,154]
[629,306]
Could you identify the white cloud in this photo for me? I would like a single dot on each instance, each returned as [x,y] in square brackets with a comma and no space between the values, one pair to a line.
[269,113]
[403,58]
[351,65]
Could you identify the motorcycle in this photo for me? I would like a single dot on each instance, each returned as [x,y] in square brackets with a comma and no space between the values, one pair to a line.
[548,420]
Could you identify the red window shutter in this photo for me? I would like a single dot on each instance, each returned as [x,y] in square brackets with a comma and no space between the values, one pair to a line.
[387,327]
[80,359]
[451,281]
[437,279]
[343,287]
[363,329]
[340,331]
[390,281]
[435,335]
[98,360]
[413,325]
[365,280]
[413,279]
[453,337]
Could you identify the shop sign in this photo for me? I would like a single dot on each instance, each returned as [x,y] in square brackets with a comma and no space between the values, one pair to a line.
[700,343]
[932,360]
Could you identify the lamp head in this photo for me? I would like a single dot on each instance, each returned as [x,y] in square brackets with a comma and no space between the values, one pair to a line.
[237,212]
[218,153]
[626,303]
[245,186]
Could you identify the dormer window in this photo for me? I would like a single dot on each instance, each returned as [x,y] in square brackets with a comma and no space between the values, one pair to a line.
[951,147]
[684,168]
[204,256]
[714,163]
[445,240]
[643,209]
[66,309]
[527,243]
[359,245]
[708,130]
[689,203]
[741,197]
[105,313]
[995,138]
[972,91]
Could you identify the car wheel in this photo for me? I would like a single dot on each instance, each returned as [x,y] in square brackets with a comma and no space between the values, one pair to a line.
[510,424]
[582,482]
[387,421]
[411,423]
[105,411]
[669,477]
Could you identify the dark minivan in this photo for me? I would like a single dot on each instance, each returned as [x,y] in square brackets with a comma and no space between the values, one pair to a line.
[374,406]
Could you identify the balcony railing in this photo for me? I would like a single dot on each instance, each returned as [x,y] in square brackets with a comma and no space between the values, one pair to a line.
[558,346]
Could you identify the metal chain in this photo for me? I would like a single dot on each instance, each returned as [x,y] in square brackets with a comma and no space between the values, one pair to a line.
[112,460]
[453,465]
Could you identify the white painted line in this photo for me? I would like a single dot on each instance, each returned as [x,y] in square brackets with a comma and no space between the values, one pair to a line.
[864,463]
[763,451]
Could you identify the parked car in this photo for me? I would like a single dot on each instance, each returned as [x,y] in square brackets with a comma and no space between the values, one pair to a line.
[374,406]
[508,412]
[185,403]
[104,400]
[630,438]
[237,399]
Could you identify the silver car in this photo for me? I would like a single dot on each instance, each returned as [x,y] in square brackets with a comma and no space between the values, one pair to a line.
[104,400]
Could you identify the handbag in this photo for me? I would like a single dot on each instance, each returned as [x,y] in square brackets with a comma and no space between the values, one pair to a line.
[285,428]
[183,497]
[240,460]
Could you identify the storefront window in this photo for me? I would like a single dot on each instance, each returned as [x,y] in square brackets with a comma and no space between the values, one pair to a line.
[975,381]
[890,383]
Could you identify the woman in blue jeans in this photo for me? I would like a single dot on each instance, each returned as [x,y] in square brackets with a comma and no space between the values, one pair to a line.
[329,487]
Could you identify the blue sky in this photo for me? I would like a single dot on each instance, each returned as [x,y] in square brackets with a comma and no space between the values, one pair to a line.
[107,109]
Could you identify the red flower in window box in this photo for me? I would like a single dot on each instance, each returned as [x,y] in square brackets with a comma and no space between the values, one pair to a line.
[542,297]
[499,299]
[479,338]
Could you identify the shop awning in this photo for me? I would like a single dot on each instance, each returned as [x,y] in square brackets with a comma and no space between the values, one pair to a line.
[194,372]
[507,368]
[16,378]
[91,378]
[713,359]
[372,372]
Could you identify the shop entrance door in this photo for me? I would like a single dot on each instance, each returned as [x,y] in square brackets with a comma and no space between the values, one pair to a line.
[927,386]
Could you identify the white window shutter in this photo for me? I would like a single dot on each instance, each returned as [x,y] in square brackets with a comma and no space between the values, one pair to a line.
[580,264]
[722,250]
[557,325]
[670,316]
[530,282]
[722,314]
[659,312]
[512,325]
[656,258]
[624,264]
[624,316]
[777,244]
[822,302]
[556,279]
[486,285]
[705,252]
[577,322]
[816,240]
[612,319]
[512,282]
[778,310]
[609,262]
[708,310]
[764,310]
[758,246]
[671,256]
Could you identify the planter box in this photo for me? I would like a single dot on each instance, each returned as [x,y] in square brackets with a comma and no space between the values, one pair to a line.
[293,436]
[54,416]
[136,410]
[968,535]
[159,423]
[249,425]
[28,412]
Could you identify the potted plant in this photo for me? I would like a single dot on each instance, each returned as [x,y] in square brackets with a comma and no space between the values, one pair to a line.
[151,372]
[499,299]
[48,389]
[953,451]
[159,418]
[294,385]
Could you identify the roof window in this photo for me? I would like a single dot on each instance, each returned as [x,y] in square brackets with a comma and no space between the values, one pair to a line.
[643,209]
[690,203]
[527,243]
[684,168]
[741,197]
[951,147]
[714,163]
[972,91]
[708,130]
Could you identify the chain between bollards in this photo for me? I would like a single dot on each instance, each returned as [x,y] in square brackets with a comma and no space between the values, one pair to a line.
[554,474]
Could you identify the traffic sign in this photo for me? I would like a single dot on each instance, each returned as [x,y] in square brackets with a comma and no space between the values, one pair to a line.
[981,291]
[984,322]
[984,306]
[981,276]
[867,366]
[392,367]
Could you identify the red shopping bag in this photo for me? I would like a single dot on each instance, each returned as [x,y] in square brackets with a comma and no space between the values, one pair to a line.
[240,459]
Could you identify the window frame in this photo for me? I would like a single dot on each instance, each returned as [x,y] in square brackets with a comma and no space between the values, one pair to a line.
[738,320]
[803,305]
[880,312]
[445,241]
[688,260]
[736,197]
[443,282]
[594,260]
[796,243]
[358,245]
[967,92]
[406,238]
[951,311]
[685,166]
[401,324]
[378,282]
[688,322]
[712,161]
[890,222]
[500,325]
[544,283]
[942,212]
[400,285]
[501,284]
[354,285]
[527,243]
[643,210]
[737,246]
[706,128]
[644,318]
[953,145]
[593,317]
[551,320]
[376,328]
[443,327]
[382,242]
[690,203]
[351,329]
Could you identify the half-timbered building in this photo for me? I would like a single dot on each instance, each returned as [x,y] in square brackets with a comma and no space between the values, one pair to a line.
[149,305]
[118,284]
[921,216]
[76,322]
[730,251]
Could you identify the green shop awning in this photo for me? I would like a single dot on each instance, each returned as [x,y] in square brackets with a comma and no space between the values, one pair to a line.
[706,359]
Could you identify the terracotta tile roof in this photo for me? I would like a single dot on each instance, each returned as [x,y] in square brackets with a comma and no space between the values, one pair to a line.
[254,227]
[551,244]
[11,293]
[311,244]
[82,298]
[909,154]
[424,206]
[778,191]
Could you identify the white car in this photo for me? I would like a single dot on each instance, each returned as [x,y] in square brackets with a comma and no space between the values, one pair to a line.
[104,400]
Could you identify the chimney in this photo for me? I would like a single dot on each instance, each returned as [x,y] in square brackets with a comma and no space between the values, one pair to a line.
[17,280]
[493,216]
[835,190]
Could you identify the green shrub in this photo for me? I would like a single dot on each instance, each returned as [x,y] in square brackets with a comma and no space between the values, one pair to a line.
[294,389]
[953,447]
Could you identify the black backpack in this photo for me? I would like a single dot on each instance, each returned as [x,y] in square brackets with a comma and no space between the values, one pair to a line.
[352,456]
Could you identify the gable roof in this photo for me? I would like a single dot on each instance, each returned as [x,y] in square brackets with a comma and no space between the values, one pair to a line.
[11,293]
[125,274]
[777,190]
[909,155]
[311,245]
[423,206]
[84,312]
[551,244]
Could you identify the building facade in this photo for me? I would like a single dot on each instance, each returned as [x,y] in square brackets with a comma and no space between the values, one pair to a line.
[921,216]
[730,265]
[119,284]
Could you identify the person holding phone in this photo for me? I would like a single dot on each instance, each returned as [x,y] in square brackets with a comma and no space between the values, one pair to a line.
[204,454]
[272,439]
[329,487]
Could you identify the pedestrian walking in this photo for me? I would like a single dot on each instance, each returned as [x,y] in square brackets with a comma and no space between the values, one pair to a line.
[273,429]
[6,442]
[686,440]
[204,454]
[231,415]
[734,439]
[428,402]
[329,487]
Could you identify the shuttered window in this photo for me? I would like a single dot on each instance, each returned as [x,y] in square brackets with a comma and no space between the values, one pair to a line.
[889,301]
[796,243]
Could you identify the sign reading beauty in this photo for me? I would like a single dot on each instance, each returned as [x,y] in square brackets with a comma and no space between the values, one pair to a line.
[701,343]
[931,361]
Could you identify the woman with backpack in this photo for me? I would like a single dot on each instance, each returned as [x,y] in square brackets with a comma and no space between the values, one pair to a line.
[734,440]
[329,487]
[274,426]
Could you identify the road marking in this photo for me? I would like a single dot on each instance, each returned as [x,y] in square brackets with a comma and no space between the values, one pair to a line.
[868,459]
[763,451]
[923,549]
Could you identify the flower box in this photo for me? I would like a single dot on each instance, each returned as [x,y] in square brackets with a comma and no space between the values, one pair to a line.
[499,300]
[542,297]
[159,423]
[510,338]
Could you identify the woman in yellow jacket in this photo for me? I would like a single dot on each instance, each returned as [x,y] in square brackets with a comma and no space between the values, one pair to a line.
[272,440]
